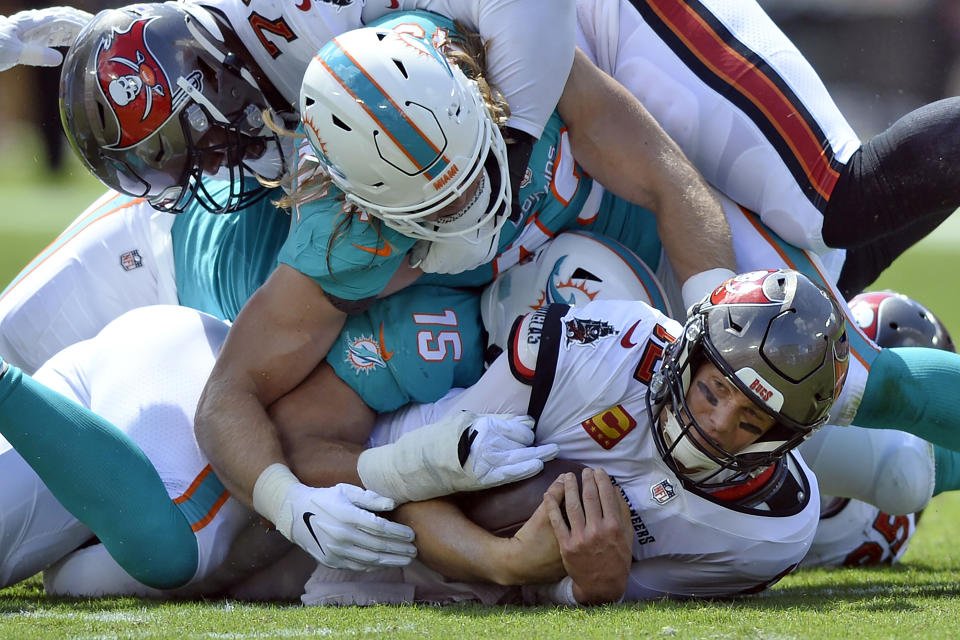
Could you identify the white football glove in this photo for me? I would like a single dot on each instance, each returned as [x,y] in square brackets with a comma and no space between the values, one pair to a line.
[27,37]
[461,452]
[334,524]
[500,452]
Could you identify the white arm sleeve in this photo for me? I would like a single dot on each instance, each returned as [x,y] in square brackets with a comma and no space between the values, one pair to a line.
[496,392]
[530,52]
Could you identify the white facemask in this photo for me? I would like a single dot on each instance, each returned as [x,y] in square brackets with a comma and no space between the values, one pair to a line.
[470,215]
[686,454]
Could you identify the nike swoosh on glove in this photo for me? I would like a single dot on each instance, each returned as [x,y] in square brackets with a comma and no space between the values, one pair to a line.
[337,527]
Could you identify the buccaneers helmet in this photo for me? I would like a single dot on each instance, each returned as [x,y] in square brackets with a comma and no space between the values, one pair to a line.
[152,99]
[404,133]
[778,338]
[893,320]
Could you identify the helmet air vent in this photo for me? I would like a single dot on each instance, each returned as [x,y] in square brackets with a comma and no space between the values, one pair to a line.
[340,123]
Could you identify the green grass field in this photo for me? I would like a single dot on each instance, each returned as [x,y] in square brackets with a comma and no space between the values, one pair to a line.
[918,598]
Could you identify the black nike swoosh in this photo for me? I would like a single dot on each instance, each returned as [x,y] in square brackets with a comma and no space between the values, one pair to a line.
[306,520]
[466,441]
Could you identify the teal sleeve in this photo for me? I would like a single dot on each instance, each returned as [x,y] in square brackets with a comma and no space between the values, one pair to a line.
[220,260]
[103,478]
[351,255]
[913,389]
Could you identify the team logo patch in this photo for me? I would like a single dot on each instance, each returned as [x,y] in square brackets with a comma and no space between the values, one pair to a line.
[663,492]
[609,427]
[365,353]
[136,86]
[587,332]
[131,260]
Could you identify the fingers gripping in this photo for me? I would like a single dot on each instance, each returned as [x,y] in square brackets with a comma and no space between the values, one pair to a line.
[332,525]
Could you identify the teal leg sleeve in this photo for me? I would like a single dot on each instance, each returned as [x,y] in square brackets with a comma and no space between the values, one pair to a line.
[102,477]
[915,390]
[946,470]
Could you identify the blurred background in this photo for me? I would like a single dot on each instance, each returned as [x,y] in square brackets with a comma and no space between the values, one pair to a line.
[879,58]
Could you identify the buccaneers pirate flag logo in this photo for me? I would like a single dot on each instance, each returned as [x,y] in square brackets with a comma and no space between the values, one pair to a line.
[136,84]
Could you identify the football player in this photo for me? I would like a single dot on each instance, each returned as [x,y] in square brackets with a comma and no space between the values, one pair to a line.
[719,76]
[703,438]
[39,531]
[753,116]
[235,59]
[691,421]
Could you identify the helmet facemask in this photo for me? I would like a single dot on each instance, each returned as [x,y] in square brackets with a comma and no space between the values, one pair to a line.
[674,423]
[238,149]
[746,354]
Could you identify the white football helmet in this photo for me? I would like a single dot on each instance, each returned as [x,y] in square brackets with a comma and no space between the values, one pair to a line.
[403,132]
[573,268]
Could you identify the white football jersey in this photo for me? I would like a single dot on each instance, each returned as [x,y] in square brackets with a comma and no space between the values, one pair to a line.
[530,70]
[584,371]
[856,534]
[283,36]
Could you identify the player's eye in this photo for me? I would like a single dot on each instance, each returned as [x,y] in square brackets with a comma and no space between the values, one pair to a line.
[707,393]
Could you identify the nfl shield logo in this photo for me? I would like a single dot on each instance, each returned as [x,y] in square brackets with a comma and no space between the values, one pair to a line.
[131,260]
[663,492]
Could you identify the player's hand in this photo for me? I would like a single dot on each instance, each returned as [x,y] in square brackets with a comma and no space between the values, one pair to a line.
[596,545]
[462,451]
[496,449]
[27,37]
[337,527]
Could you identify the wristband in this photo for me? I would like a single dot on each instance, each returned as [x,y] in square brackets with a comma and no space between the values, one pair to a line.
[269,493]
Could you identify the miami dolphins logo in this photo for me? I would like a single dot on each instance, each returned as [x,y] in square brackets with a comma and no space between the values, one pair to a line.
[569,292]
[366,353]
[415,36]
